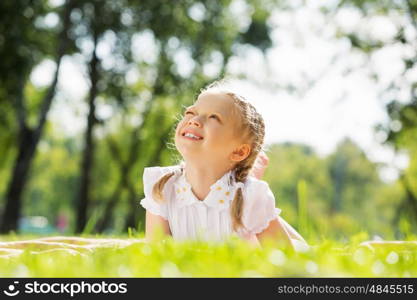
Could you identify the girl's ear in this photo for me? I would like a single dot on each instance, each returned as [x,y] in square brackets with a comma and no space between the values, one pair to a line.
[240,153]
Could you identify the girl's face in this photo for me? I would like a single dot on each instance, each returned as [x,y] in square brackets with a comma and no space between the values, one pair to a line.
[209,129]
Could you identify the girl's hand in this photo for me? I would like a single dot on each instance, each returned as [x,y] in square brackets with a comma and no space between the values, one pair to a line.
[260,165]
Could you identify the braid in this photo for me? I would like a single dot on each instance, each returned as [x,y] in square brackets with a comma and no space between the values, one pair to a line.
[159,186]
[254,127]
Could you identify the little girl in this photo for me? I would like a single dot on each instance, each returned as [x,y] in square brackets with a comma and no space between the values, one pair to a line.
[211,195]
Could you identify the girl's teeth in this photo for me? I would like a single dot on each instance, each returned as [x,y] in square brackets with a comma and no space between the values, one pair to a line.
[190,135]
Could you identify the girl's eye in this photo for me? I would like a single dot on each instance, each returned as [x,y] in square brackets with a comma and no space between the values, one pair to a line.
[188,112]
[214,116]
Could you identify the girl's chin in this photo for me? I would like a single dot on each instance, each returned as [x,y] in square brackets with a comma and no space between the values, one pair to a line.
[190,153]
[188,144]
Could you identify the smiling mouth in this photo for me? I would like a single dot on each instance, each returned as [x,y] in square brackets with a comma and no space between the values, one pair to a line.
[191,136]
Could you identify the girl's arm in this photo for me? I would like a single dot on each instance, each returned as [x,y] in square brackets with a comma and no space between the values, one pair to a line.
[275,233]
[261,163]
[155,227]
[291,231]
[279,228]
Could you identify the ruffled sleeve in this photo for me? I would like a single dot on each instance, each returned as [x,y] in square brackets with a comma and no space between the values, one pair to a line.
[151,176]
[259,206]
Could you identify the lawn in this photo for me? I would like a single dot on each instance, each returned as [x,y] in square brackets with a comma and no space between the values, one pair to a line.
[130,256]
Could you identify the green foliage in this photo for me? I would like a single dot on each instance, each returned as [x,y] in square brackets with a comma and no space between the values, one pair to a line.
[56,161]
[335,196]
[142,112]
[302,206]
[400,130]
[233,258]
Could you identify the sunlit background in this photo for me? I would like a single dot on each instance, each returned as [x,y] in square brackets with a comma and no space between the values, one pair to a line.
[323,76]
[331,101]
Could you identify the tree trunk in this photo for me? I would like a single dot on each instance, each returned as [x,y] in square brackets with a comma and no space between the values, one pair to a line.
[131,219]
[18,181]
[411,200]
[83,198]
[133,216]
[126,166]
[29,138]
[105,219]
[337,172]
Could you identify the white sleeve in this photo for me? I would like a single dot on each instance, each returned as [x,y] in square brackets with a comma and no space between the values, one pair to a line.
[258,206]
[151,176]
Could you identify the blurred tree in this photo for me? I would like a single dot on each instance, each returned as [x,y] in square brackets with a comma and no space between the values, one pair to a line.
[323,193]
[354,178]
[295,166]
[22,46]
[54,176]
[401,92]
[204,33]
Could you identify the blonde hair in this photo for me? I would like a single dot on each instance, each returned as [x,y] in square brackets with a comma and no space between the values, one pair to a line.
[252,124]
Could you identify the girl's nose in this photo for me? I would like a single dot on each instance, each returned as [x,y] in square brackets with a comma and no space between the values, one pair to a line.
[195,122]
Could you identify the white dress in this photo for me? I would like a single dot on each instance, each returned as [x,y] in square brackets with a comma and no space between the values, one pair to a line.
[209,220]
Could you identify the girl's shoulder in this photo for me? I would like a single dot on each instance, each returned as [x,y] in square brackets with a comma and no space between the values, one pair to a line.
[254,185]
[258,194]
[259,205]
[157,172]
[151,175]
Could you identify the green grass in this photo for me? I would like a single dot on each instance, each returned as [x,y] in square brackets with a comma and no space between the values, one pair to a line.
[230,259]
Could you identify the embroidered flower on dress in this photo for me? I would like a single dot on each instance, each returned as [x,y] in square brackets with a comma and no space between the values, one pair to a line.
[220,196]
